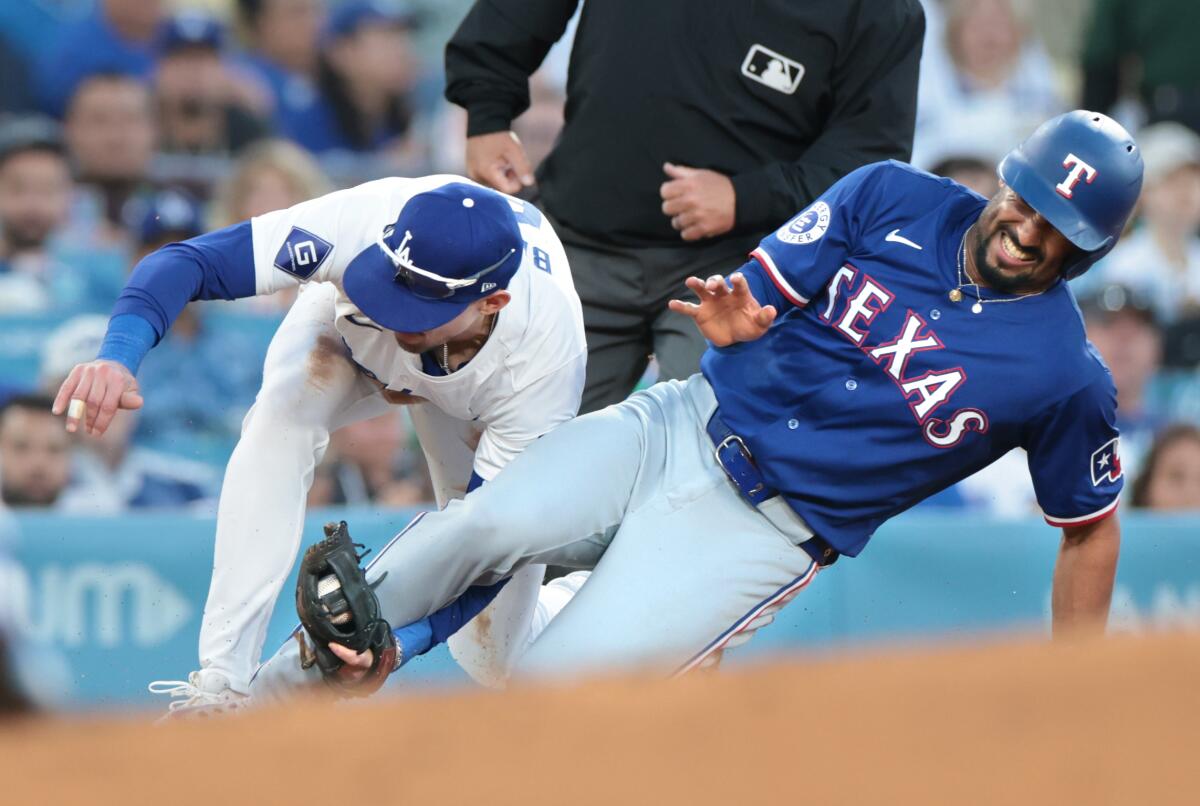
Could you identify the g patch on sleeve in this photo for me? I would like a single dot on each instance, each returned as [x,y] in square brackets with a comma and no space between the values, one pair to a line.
[1106,463]
[302,253]
[806,227]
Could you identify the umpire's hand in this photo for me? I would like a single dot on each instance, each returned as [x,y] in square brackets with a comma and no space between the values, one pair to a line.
[498,160]
[725,315]
[93,393]
[699,202]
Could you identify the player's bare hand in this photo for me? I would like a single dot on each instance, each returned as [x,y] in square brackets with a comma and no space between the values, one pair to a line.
[357,665]
[725,315]
[700,203]
[498,160]
[94,392]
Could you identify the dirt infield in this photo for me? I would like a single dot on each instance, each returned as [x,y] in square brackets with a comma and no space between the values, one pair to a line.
[1112,722]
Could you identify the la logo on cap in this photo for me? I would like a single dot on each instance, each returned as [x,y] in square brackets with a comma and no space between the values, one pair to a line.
[403,252]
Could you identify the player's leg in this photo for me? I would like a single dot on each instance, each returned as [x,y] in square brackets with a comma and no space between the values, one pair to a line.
[688,574]
[560,501]
[676,587]
[533,507]
[309,387]
[486,646]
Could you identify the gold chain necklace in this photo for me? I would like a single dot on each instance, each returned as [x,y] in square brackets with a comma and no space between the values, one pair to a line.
[956,294]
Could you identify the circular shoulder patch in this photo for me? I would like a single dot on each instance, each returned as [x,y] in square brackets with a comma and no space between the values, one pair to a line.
[806,227]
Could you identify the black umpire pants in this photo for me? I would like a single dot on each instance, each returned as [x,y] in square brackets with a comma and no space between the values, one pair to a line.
[625,291]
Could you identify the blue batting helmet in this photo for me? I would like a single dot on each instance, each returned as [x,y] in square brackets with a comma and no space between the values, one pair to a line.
[1082,172]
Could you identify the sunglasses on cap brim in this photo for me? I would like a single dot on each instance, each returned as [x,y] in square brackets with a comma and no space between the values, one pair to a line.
[428,284]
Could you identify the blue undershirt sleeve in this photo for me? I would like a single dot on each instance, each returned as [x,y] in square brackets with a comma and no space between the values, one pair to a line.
[219,265]
[423,635]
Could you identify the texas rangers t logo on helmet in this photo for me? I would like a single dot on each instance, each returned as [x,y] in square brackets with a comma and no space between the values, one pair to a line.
[1078,168]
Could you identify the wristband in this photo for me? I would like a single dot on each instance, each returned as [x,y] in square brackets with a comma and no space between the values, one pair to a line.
[127,341]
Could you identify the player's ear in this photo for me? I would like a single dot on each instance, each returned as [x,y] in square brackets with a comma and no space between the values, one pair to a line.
[494,302]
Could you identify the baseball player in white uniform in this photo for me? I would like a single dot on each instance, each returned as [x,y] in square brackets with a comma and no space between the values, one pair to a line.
[462,306]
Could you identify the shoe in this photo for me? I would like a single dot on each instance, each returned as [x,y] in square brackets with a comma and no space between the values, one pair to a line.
[204,694]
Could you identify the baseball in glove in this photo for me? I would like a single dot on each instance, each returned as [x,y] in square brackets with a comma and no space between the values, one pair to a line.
[337,605]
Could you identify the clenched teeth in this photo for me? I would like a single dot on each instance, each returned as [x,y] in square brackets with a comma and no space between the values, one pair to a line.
[1013,249]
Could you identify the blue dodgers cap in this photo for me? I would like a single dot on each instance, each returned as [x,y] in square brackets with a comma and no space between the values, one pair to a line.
[450,247]
[190,29]
[347,18]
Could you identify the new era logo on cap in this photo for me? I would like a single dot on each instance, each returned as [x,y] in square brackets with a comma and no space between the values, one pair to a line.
[302,253]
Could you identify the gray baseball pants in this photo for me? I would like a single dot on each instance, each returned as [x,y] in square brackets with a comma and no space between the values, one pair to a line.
[684,567]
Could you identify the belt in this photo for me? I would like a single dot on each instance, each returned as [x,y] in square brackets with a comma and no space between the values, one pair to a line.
[738,463]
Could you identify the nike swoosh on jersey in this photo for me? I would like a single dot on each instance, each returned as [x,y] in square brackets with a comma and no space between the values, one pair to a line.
[892,236]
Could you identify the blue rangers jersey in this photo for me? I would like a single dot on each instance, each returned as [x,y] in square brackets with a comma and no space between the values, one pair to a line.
[874,390]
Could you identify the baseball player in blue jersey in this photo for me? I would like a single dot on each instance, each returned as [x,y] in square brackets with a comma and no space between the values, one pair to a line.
[899,334]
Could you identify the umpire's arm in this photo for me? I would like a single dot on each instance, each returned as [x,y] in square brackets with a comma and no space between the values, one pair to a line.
[498,45]
[1083,576]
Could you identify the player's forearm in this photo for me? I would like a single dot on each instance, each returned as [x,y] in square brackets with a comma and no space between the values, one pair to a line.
[219,265]
[1083,577]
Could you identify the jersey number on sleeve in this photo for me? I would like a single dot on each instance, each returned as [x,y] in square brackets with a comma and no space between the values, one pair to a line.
[540,259]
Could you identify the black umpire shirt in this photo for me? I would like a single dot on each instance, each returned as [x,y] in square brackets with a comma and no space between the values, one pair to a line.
[784,96]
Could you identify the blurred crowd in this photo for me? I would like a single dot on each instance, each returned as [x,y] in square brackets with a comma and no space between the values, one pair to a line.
[129,124]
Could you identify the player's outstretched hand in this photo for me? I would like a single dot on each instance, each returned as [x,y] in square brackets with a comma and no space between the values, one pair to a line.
[357,666]
[93,393]
[498,160]
[725,315]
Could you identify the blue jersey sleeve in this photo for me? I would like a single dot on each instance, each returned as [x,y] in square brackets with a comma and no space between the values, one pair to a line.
[1074,456]
[219,265]
[801,256]
[761,287]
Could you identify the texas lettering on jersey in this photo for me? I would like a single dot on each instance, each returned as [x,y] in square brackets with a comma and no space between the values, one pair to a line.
[854,300]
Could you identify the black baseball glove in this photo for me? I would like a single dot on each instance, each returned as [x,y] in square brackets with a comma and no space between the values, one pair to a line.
[337,604]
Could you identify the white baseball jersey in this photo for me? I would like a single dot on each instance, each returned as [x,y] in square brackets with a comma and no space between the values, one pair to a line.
[526,379]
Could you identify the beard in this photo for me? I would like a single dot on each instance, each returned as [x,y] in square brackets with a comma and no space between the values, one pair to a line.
[29,498]
[26,236]
[993,277]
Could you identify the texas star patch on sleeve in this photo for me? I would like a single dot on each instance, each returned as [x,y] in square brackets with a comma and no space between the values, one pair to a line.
[1106,462]
[302,253]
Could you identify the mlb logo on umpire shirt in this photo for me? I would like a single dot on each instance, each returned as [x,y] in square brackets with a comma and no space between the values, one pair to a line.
[772,69]
[302,253]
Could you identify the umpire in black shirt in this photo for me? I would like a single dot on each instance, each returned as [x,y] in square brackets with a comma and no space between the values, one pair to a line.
[693,128]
